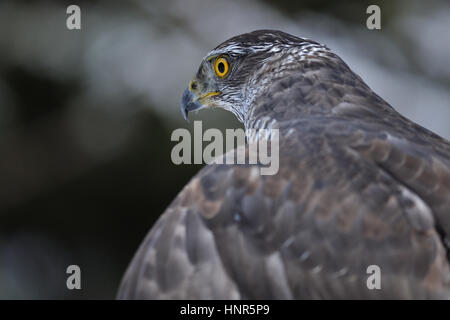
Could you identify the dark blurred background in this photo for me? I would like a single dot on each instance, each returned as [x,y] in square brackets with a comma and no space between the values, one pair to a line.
[86,115]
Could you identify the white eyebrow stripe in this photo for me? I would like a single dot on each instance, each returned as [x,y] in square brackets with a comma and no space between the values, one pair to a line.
[304,48]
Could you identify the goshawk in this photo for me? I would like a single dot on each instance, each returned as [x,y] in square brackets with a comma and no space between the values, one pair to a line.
[358,185]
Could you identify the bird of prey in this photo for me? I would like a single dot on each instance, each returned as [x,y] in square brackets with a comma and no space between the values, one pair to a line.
[358,185]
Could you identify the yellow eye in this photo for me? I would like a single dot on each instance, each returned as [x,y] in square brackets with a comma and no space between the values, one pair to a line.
[221,67]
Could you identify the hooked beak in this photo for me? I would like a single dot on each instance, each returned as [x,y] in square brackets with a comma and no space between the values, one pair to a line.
[191,101]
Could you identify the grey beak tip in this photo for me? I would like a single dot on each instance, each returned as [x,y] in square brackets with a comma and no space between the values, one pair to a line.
[185,114]
[187,98]
[188,104]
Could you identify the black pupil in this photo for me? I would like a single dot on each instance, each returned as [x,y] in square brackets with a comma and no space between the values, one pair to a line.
[221,67]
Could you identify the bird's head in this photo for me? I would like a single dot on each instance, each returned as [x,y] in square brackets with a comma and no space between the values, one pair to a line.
[233,73]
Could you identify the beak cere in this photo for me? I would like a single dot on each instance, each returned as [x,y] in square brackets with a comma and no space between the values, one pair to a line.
[188,103]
